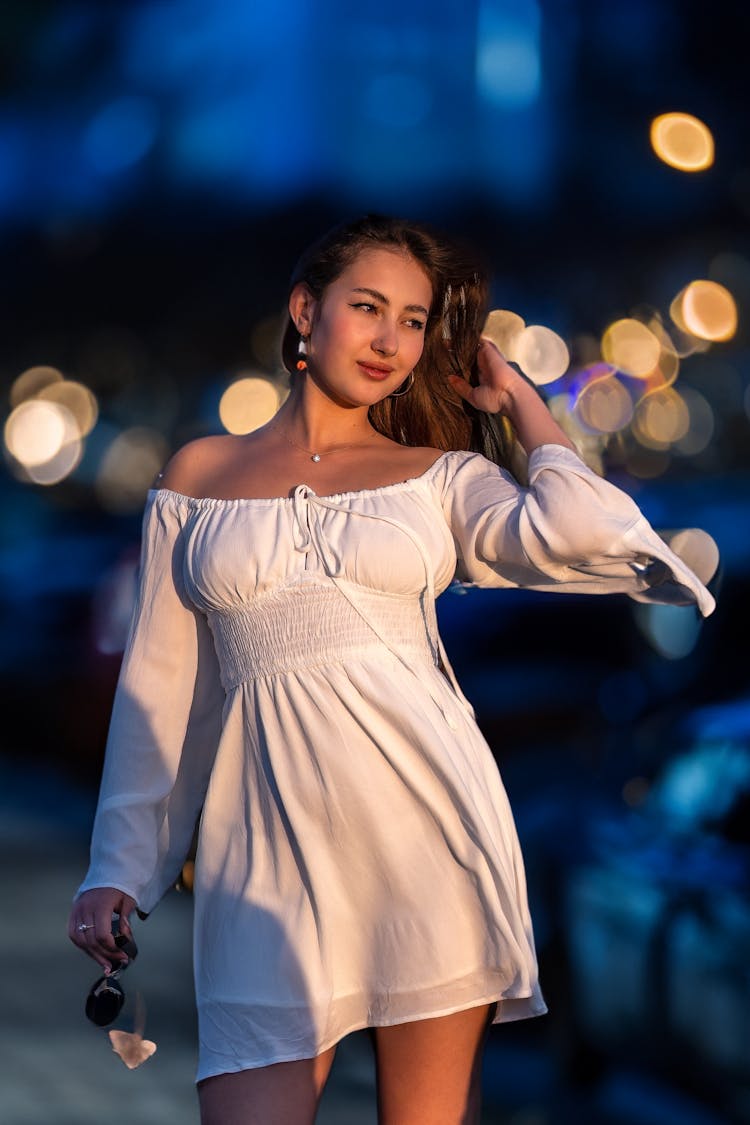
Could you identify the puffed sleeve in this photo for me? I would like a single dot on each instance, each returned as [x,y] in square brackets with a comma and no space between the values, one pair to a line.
[165,724]
[568,531]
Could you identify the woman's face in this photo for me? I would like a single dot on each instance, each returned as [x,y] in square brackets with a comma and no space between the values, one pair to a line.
[367,331]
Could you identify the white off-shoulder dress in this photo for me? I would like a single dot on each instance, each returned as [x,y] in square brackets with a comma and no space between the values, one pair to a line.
[357,862]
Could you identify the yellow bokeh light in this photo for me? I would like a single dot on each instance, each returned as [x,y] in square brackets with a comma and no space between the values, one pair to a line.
[541,354]
[682,141]
[36,431]
[604,405]
[503,328]
[76,398]
[707,310]
[31,382]
[631,347]
[661,418]
[248,403]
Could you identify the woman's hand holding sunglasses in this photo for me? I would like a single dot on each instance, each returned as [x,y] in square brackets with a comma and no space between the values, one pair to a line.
[90,925]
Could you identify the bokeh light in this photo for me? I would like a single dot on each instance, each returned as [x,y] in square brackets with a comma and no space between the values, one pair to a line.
[57,468]
[682,141]
[603,403]
[589,444]
[707,310]
[247,403]
[32,382]
[504,327]
[631,347]
[671,630]
[541,354]
[668,365]
[36,431]
[50,417]
[697,549]
[77,399]
[661,418]
[684,343]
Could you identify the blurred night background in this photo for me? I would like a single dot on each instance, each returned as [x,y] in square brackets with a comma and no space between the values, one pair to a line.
[162,163]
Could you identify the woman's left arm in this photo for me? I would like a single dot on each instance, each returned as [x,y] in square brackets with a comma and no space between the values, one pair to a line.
[569,530]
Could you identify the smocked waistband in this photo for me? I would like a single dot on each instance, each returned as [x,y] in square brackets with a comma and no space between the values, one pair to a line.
[299,626]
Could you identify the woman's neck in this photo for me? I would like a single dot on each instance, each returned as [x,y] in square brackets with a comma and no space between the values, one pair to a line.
[315,423]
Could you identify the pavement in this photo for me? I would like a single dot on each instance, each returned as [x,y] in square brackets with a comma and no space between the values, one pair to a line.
[55,1067]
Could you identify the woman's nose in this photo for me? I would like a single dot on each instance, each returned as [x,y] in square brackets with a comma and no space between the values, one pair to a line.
[386,340]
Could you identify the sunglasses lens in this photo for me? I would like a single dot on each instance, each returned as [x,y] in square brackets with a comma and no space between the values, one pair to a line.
[104,1002]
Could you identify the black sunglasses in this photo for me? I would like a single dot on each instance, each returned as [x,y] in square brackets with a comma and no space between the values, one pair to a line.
[106,998]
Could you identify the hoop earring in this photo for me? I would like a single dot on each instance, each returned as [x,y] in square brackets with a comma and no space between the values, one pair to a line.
[403,389]
[302,352]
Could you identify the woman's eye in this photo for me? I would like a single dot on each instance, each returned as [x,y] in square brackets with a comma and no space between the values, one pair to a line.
[364,305]
[416,324]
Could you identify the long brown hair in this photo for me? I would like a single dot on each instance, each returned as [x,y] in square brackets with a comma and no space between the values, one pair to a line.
[430,413]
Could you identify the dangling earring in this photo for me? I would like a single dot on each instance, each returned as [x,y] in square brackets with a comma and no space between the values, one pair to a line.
[403,389]
[302,352]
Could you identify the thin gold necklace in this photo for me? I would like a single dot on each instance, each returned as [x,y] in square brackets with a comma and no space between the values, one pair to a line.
[313,454]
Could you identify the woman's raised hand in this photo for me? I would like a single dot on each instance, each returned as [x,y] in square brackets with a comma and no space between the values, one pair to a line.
[90,923]
[497,381]
[502,390]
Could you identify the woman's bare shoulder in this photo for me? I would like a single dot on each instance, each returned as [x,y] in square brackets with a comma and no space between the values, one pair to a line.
[194,464]
[418,459]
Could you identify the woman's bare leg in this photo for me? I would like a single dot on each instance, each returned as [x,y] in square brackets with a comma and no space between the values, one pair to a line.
[429,1071]
[284,1093]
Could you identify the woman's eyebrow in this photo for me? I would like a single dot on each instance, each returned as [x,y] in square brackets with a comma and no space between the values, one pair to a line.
[384,300]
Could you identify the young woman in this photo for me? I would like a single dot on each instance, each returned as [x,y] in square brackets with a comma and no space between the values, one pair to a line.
[357,863]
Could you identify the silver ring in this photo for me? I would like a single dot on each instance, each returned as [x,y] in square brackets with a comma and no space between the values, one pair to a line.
[83,927]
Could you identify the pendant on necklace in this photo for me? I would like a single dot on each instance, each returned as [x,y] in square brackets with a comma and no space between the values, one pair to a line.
[315,457]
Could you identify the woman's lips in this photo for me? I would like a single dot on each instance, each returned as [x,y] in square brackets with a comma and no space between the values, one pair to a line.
[374,370]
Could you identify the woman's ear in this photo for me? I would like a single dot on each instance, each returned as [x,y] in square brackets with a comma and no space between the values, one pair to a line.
[301,308]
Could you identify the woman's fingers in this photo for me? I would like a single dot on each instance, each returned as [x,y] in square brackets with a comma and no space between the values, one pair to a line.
[484,397]
[493,364]
[461,386]
[496,380]
[127,907]
[90,925]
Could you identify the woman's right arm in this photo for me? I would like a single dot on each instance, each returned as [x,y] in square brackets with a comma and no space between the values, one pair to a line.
[162,740]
